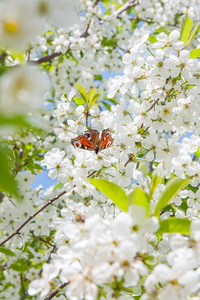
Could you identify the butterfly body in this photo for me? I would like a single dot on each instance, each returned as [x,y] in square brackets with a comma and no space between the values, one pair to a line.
[93,140]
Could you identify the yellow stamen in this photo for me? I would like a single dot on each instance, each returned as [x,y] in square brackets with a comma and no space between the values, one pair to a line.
[11,26]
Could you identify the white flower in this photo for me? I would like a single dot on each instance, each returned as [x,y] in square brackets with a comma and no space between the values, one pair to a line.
[39,285]
[22,90]
[80,287]
[61,44]
[132,78]
[133,58]
[190,281]
[19,22]
[169,41]
[115,85]
[54,160]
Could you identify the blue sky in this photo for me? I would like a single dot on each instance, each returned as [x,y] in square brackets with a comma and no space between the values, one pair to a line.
[44,180]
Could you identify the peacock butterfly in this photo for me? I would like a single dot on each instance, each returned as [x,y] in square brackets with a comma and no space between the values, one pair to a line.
[92,139]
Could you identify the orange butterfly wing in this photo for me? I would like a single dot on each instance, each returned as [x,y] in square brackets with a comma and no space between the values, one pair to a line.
[106,139]
[82,142]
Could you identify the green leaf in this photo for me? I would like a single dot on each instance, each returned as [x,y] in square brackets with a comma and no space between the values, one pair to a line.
[174,225]
[197,153]
[154,183]
[82,92]
[109,42]
[152,39]
[139,197]
[112,191]
[112,100]
[7,251]
[96,96]
[79,101]
[16,120]
[195,53]
[29,146]
[7,181]
[186,27]
[164,29]
[33,166]
[194,32]
[91,95]
[105,2]
[172,188]
[97,77]
[59,185]
[16,54]
[107,105]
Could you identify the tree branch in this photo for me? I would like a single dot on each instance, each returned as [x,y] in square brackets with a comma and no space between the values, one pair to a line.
[126,6]
[31,217]
[56,291]
[51,56]
[45,58]
[85,34]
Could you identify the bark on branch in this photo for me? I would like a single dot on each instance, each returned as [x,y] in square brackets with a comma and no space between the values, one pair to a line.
[45,58]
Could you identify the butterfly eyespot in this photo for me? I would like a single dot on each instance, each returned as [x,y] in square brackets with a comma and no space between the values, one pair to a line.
[87,135]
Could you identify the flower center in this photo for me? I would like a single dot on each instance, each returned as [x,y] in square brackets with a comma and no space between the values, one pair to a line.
[11,26]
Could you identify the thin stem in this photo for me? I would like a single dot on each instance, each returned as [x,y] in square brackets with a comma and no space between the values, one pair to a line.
[56,291]
[133,98]
[92,173]
[17,255]
[144,130]
[153,104]
[140,19]
[31,217]
[48,259]
[131,156]
[150,52]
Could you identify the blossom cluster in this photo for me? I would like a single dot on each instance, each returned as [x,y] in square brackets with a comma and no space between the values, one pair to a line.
[153,127]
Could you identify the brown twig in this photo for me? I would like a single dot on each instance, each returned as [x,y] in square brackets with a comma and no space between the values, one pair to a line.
[131,156]
[56,291]
[85,34]
[41,239]
[17,231]
[2,58]
[24,295]
[87,114]
[92,173]
[145,130]
[153,104]
[49,258]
